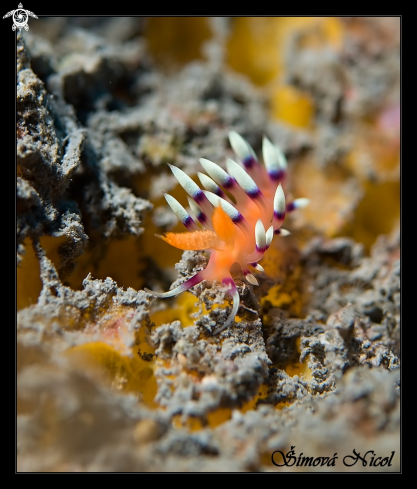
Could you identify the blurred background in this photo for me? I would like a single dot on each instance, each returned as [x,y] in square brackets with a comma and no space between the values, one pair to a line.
[326,89]
[336,80]
[108,381]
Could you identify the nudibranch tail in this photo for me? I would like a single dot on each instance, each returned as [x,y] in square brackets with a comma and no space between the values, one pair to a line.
[240,210]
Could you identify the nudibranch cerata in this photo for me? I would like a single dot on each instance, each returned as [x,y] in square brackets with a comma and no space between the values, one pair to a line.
[237,229]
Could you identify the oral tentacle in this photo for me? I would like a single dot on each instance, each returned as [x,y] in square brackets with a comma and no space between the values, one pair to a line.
[228,281]
[196,279]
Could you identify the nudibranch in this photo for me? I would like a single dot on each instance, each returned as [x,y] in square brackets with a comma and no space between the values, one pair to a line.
[239,212]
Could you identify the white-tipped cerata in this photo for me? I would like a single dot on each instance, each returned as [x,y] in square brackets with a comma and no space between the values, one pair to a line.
[212,198]
[209,184]
[269,154]
[260,236]
[274,159]
[217,173]
[199,214]
[195,208]
[181,213]
[281,157]
[241,147]
[282,232]
[231,211]
[242,178]
[257,267]
[300,203]
[192,189]
[269,236]
[251,279]
[279,202]
[178,209]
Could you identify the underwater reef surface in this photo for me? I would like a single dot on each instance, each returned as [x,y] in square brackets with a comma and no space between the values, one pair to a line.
[110,378]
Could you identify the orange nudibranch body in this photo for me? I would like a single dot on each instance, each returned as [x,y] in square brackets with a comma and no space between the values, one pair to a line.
[238,229]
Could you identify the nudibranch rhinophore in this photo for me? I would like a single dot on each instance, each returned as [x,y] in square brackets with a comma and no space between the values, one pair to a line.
[234,229]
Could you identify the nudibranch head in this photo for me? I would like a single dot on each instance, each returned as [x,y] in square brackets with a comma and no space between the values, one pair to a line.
[235,230]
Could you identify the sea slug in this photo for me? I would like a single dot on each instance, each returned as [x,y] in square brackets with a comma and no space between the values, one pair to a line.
[239,212]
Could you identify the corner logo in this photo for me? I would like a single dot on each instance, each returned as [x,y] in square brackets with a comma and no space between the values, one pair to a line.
[20,17]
